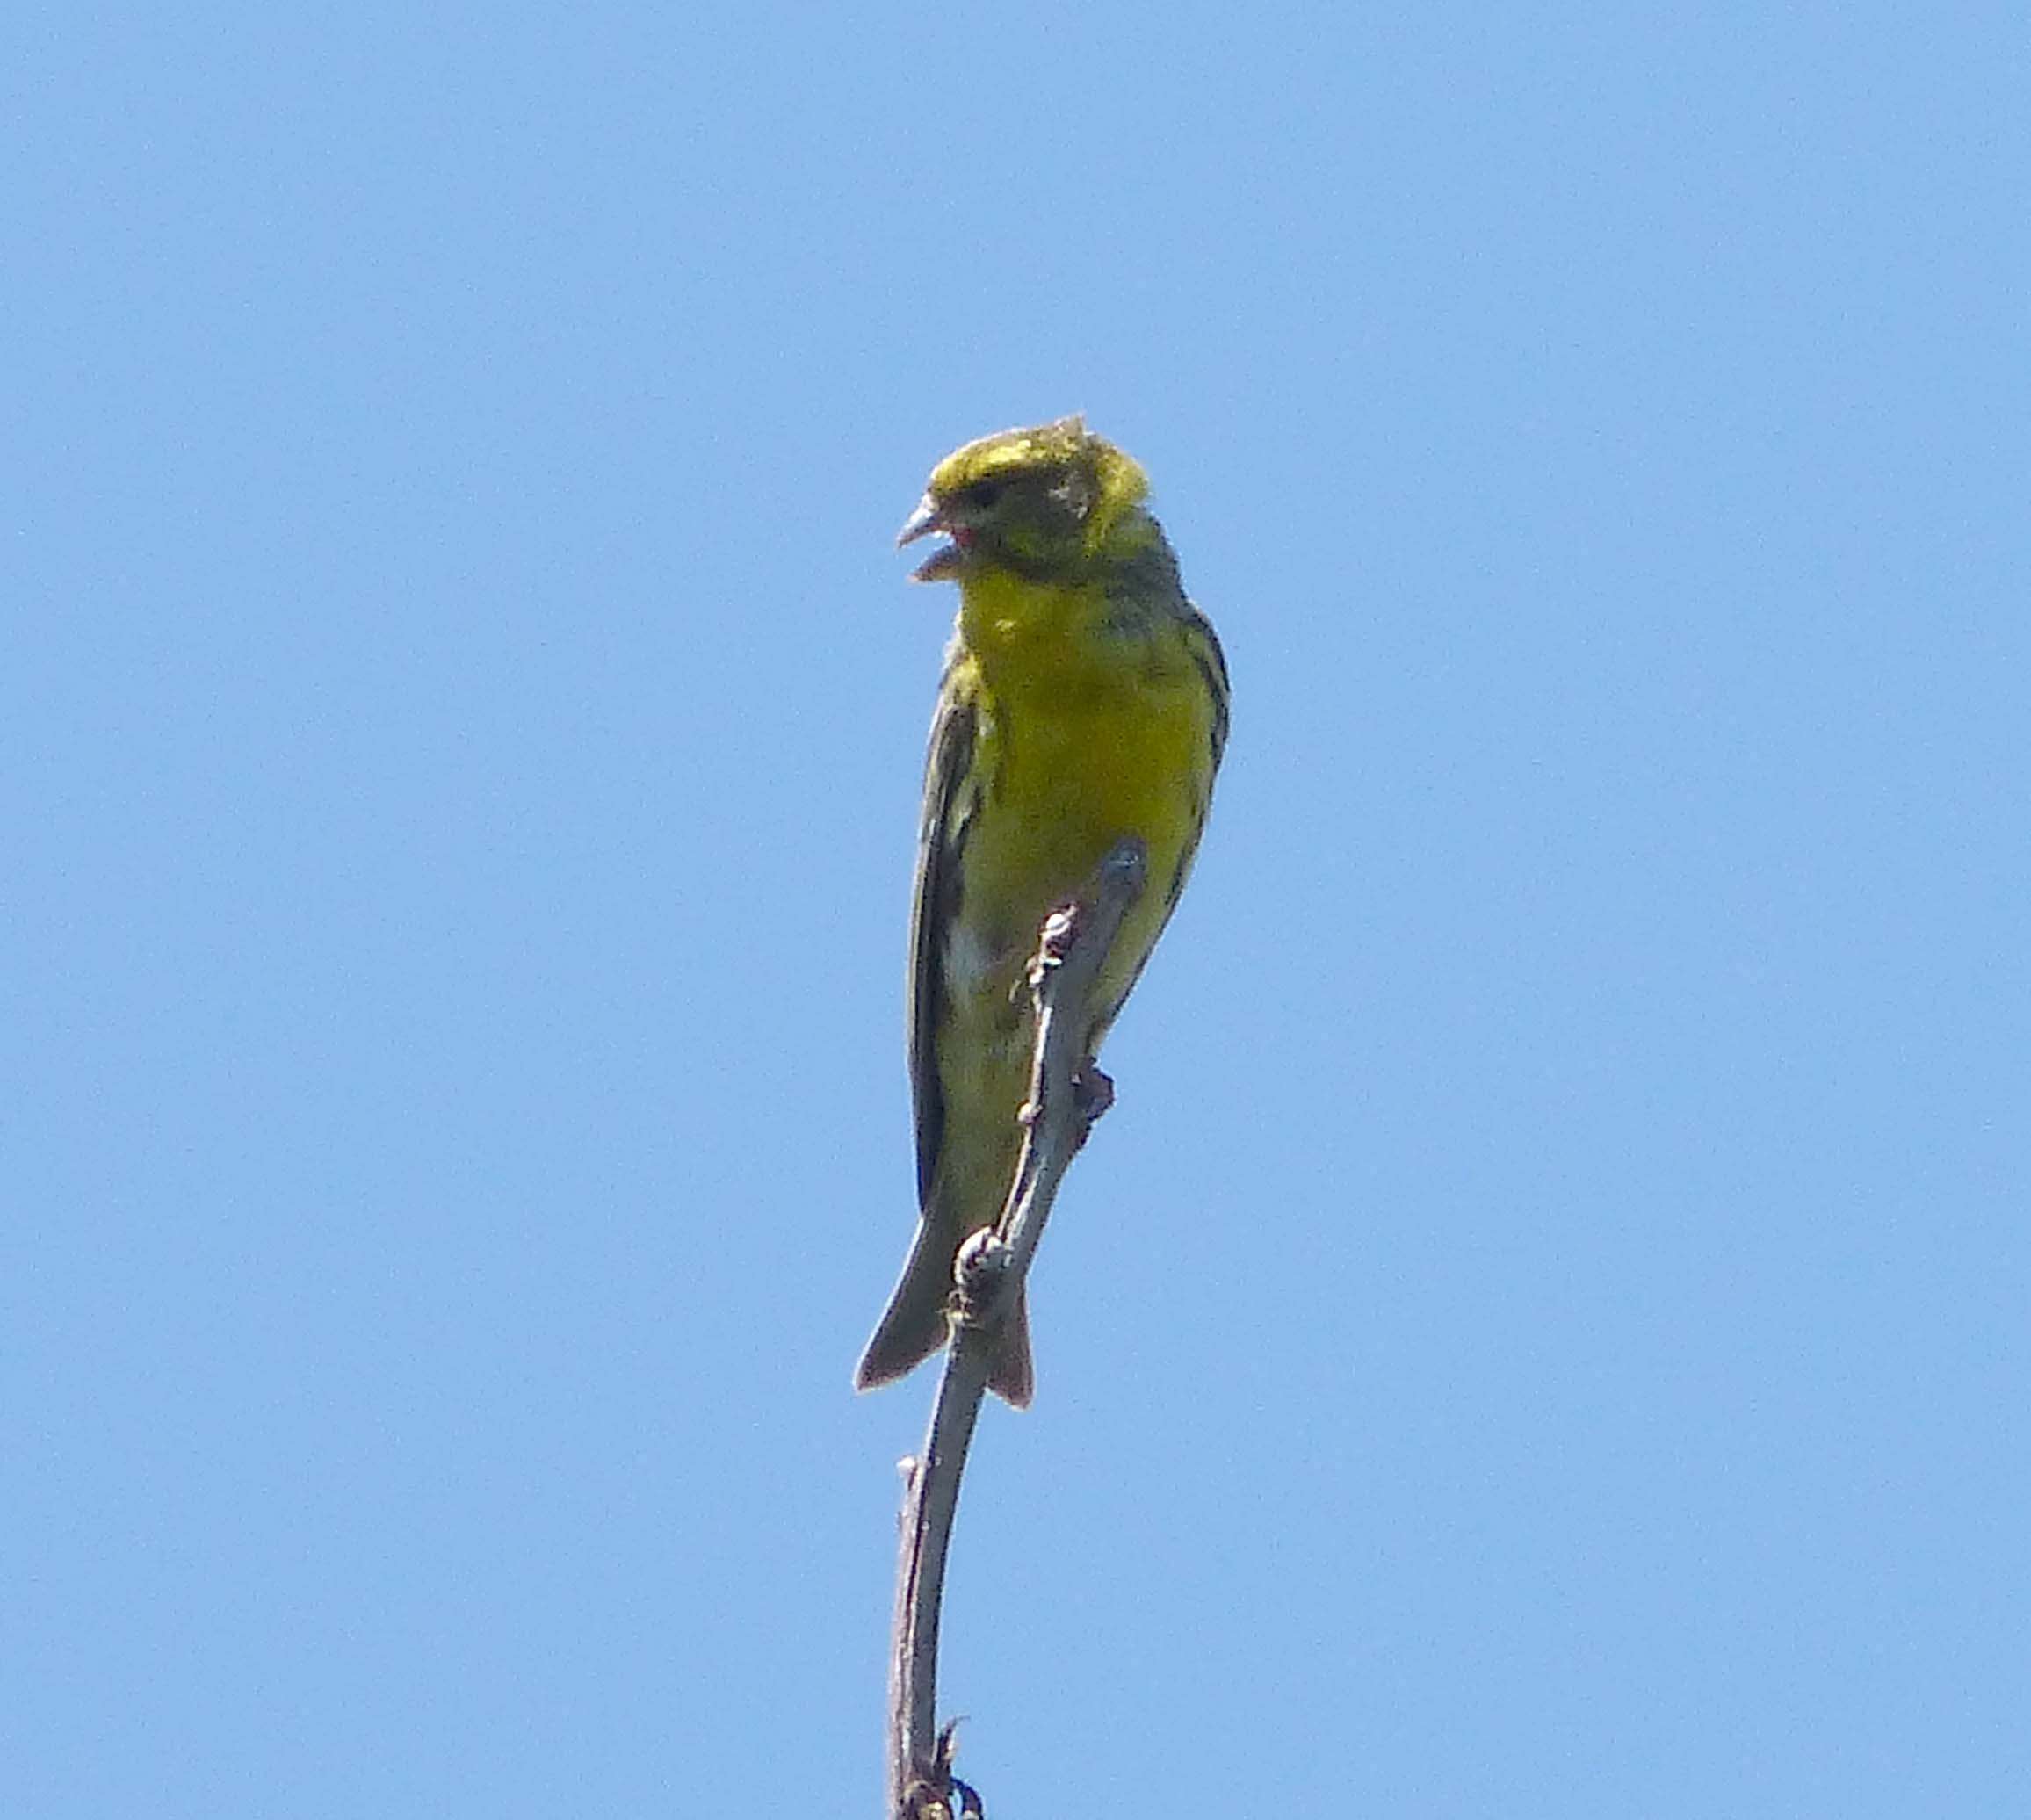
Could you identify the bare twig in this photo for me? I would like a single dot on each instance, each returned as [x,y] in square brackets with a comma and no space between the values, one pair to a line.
[1067,1093]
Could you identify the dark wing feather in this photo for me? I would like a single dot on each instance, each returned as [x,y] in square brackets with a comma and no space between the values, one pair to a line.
[949,802]
[1212,662]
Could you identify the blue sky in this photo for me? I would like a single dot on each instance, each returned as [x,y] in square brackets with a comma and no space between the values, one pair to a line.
[1543,1331]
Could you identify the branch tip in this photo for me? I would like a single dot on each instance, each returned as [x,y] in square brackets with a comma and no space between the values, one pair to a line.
[1067,1093]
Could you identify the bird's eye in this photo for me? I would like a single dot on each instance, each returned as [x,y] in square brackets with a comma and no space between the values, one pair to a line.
[982,495]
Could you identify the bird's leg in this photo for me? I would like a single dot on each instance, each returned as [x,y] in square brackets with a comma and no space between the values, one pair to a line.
[980,1276]
[1092,1093]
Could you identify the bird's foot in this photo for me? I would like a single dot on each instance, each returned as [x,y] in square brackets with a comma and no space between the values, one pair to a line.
[1092,1093]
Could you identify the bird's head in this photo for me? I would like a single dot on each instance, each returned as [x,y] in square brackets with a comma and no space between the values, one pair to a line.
[1048,502]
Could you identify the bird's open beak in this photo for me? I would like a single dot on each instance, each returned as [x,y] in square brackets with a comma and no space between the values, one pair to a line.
[942,563]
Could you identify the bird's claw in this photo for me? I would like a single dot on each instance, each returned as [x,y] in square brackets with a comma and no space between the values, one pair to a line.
[1092,1093]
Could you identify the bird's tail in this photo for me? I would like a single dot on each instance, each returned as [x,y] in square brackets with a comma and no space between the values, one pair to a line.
[915,1325]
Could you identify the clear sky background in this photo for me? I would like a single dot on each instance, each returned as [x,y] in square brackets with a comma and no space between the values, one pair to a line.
[1543,1334]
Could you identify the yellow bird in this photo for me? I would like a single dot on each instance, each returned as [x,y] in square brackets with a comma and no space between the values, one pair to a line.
[1084,700]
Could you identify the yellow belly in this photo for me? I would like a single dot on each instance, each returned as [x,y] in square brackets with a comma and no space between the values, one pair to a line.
[1084,732]
[1083,739]
[1063,788]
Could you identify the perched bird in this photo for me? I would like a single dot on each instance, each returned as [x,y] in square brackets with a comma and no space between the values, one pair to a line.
[1084,700]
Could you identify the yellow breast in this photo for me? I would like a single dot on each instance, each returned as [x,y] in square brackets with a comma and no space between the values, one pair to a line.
[1087,733]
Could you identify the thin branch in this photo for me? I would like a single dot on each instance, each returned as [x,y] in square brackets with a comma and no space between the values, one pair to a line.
[1067,1093]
